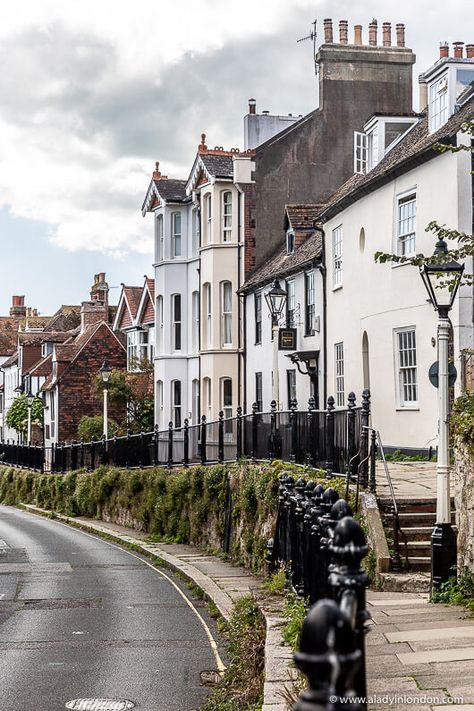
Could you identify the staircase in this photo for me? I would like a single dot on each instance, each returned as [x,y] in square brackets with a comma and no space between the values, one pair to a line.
[417,518]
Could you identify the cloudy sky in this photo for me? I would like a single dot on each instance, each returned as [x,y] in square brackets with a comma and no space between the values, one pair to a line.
[93,92]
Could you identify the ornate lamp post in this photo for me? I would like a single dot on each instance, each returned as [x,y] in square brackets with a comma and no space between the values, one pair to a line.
[105,373]
[308,359]
[29,401]
[276,300]
[442,279]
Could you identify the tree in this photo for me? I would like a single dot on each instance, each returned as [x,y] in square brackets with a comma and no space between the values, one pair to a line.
[92,427]
[463,242]
[17,415]
[134,390]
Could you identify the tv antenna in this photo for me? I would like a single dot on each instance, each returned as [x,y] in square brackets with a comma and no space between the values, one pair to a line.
[311,36]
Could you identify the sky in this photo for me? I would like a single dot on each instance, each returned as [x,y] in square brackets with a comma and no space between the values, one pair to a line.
[93,92]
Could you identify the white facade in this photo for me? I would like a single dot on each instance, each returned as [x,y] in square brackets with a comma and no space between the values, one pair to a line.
[381,331]
[259,343]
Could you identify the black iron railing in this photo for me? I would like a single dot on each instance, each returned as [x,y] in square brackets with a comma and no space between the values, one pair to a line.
[329,439]
[320,546]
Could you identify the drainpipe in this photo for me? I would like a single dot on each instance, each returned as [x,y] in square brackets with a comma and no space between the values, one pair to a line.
[240,350]
[322,269]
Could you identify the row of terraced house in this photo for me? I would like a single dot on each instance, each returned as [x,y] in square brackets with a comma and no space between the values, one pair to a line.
[308,201]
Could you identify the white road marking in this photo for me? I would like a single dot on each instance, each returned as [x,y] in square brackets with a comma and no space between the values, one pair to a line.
[220,664]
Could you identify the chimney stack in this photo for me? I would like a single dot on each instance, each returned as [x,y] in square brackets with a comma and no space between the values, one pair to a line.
[400,30]
[470,51]
[373,33]
[343,31]
[18,307]
[423,95]
[328,35]
[156,173]
[443,50]
[387,34]
[358,34]
[458,49]
[252,106]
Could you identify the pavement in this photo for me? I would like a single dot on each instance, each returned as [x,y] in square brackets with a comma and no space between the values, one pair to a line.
[81,618]
[411,480]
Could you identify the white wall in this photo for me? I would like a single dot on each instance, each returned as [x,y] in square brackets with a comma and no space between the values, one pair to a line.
[377,299]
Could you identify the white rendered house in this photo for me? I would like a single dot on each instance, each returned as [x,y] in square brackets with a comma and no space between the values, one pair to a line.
[381,330]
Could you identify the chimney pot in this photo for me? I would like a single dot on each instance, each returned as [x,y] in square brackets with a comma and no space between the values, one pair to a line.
[423,88]
[470,51]
[373,33]
[444,50]
[400,30]
[343,24]
[328,34]
[458,49]
[387,34]
[358,34]
[252,106]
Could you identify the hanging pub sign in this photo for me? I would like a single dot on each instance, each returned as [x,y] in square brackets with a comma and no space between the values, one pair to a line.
[287,339]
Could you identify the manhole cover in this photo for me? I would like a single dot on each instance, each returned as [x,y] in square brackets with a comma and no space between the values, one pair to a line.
[100,704]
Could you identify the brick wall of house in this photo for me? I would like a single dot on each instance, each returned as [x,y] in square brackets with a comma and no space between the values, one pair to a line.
[77,395]
[249,191]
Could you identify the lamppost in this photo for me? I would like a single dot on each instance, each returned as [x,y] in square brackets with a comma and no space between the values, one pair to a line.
[276,300]
[29,401]
[442,279]
[106,372]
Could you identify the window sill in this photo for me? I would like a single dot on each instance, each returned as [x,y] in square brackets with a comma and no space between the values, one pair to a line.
[408,408]
[404,264]
[336,288]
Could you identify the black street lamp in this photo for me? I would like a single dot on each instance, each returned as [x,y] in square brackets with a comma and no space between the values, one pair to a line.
[105,373]
[442,279]
[308,359]
[276,300]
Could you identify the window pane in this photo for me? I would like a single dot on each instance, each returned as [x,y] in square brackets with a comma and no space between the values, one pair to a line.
[337,255]
[407,372]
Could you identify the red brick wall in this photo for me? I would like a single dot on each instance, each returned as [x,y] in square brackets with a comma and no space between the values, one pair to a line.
[76,388]
[249,227]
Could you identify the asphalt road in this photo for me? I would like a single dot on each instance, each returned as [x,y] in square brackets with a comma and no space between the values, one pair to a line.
[80,618]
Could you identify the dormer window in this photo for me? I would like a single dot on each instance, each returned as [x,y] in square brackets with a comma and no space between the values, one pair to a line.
[46,349]
[438,103]
[380,135]
[290,241]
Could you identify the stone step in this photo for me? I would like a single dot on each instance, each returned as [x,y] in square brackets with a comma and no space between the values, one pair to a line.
[418,533]
[419,562]
[409,519]
[417,548]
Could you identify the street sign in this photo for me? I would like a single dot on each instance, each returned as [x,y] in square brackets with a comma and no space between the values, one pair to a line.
[287,339]
[433,374]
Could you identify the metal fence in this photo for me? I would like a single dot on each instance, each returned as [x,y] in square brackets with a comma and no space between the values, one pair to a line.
[331,439]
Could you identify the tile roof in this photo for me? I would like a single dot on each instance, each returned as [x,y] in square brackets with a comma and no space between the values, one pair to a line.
[303,217]
[43,337]
[8,340]
[66,318]
[151,288]
[416,147]
[171,189]
[283,264]
[218,166]
[11,361]
[133,295]
[42,367]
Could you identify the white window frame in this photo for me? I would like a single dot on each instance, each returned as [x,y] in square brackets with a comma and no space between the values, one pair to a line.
[159,238]
[339,373]
[438,102]
[259,390]
[196,238]
[209,218]
[159,401]
[176,323]
[290,241]
[208,307]
[226,208]
[226,314]
[176,235]
[226,407]
[406,223]
[337,257]
[290,303]
[406,367]
[159,322]
[360,152]
[291,385]
[195,401]
[309,304]
[258,317]
[195,321]
[177,403]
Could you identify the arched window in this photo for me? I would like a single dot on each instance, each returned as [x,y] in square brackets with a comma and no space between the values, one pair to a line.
[159,239]
[226,311]
[209,218]
[159,403]
[195,402]
[195,324]
[207,306]
[226,216]
[159,324]
[207,397]
[226,403]
[176,402]
[176,321]
[176,234]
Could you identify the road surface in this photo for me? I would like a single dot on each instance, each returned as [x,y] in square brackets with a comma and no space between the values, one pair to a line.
[84,619]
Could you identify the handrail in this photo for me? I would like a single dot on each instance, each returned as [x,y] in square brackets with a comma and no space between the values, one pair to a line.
[396,560]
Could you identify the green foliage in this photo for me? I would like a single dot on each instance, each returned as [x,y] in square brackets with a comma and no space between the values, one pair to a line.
[133,390]
[276,583]
[464,242]
[294,612]
[399,456]
[92,427]
[241,688]
[462,419]
[457,591]
[17,415]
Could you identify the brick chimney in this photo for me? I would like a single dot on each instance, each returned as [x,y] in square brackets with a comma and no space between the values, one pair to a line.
[343,24]
[400,30]
[373,33]
[18,308]
[328,34]
[458,49]
[358,34]
[443,50]
[252,106]
[97,309]
[470,51]
[387,34]
[156,173]
[100,289]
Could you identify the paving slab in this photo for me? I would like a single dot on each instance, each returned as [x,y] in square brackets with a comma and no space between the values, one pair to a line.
[420,635]
[437,655]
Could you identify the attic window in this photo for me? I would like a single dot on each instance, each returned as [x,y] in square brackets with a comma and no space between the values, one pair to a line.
[438,103]
[290,241]
[360,152]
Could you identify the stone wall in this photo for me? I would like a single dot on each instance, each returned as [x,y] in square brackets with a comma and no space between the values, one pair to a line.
[463,481]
